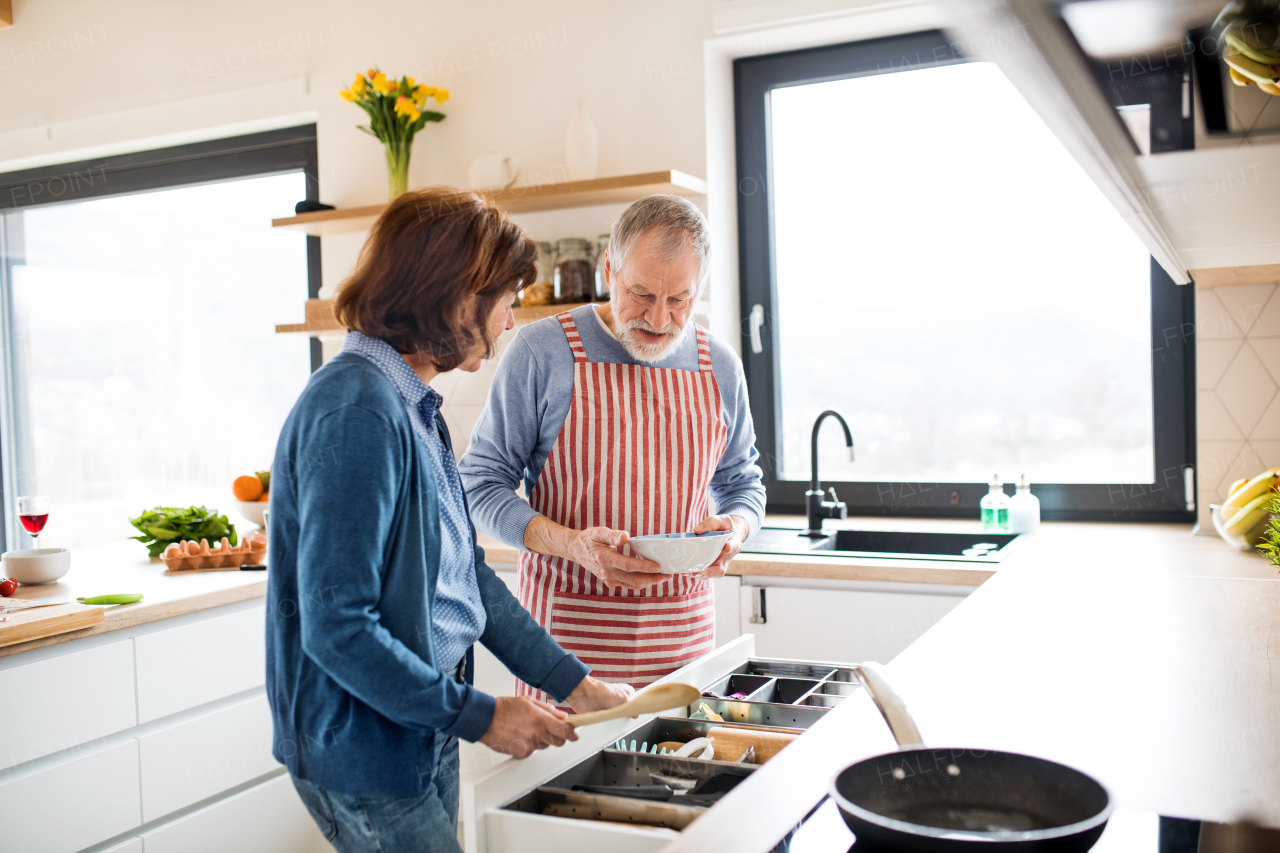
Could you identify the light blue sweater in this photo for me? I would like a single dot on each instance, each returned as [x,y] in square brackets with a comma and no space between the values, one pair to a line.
[529,401]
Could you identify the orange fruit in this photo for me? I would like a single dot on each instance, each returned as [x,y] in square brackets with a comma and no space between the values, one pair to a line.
[263,498]
[247,488]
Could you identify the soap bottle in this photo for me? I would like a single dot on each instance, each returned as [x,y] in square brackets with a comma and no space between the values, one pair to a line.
[1024,509]
[995,508]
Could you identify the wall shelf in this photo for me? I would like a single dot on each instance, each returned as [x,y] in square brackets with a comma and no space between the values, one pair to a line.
[319,318]
[620,189]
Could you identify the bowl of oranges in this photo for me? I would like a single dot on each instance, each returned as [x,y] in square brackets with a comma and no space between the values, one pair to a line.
[251,492]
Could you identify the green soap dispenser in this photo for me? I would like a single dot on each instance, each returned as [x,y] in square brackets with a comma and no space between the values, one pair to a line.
[995,508]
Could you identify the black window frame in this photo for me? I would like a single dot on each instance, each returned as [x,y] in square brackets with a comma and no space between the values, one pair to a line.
[272,152]
[1172,320]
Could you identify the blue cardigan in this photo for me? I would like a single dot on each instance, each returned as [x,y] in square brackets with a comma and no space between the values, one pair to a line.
[355,695]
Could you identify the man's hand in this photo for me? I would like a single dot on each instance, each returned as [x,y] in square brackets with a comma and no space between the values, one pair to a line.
[595,549]
[734,524]
[594,695]
[522,726]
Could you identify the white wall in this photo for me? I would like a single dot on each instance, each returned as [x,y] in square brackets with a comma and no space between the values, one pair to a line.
[86,79]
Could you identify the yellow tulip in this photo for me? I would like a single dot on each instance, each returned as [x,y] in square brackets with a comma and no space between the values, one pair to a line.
[441,95]
[347,95]
[382,84]
[409,80]
[357,86]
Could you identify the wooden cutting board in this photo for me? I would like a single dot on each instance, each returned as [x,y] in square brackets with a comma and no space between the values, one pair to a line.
[46,621]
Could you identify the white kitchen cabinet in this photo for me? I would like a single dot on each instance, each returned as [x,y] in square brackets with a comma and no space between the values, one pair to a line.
[67,700]
[267,818]
[133,845]
[198,758]
[841,620]
[74,804]
[200,662]
[728,608]
[491,676]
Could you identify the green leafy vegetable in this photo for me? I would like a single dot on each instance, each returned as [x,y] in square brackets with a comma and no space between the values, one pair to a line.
[1270,544]
[167,524]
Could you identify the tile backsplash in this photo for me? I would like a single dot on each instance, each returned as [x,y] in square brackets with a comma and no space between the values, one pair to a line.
[1238,388]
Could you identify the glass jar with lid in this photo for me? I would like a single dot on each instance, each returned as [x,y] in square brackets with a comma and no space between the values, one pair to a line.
[601,293]
[574,271]
[540,292]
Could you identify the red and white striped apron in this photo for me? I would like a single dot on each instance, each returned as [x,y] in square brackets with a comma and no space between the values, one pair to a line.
[637,452]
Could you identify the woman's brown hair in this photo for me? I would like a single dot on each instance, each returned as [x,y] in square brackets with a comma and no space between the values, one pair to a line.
[435,265]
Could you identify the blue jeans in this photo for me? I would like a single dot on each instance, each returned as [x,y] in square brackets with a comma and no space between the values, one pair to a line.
[381,825]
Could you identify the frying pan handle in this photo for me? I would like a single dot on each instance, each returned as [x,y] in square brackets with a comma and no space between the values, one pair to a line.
[891,706]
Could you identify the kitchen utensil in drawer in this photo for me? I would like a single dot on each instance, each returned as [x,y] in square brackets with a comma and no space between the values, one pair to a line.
[731,743]
[680,553]
[945,800]
[580,805]
[659,697]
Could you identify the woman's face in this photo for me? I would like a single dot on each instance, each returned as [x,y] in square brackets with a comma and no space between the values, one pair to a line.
[500,320]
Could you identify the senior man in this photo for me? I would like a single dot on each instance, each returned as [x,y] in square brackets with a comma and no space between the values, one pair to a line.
[621,420]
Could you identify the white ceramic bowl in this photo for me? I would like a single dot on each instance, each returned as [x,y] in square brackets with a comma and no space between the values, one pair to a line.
[251,511]
[680,553]
[36,565]
[1246,541]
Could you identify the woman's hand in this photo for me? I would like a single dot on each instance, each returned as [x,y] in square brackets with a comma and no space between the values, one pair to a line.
[737,526]
[594,695]
[522,726]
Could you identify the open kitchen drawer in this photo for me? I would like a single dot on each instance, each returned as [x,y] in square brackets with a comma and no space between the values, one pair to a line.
[603,792]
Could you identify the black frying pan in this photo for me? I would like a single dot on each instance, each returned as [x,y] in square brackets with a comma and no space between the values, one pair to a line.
[945,800]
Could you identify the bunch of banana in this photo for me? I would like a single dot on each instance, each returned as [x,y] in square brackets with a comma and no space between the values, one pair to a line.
[1250,58]
[1245,511]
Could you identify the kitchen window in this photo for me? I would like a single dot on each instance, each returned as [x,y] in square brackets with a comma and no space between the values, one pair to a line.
[140,296]
[919,252]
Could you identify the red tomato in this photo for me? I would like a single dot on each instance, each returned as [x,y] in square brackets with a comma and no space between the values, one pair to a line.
[8,587]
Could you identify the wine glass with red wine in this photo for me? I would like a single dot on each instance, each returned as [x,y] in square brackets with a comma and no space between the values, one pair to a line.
[33,512]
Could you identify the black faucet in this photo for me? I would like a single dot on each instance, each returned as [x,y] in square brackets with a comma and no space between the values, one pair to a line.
[814,505]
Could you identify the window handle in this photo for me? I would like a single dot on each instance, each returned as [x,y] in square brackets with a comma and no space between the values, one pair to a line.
[756,321]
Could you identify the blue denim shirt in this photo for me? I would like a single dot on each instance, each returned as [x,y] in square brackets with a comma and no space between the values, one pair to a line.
[458,617]
[354,679]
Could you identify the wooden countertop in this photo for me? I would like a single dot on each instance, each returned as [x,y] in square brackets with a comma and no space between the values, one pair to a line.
[125,568]
[1143,655]
[1165,548]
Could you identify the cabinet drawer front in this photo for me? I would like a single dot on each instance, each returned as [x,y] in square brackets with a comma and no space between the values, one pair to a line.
[518,832]
[196,759]
[267,818]
[197,663]
[73,805]
[66,701]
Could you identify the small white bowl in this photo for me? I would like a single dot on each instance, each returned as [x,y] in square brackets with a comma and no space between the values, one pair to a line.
[680,553]
[1246,541]
[36,565]
[251,511]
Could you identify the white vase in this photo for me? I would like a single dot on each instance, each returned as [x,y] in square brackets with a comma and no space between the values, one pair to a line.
[581,145]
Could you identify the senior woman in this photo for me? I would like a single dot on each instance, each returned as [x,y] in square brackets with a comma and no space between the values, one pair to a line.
[377,590]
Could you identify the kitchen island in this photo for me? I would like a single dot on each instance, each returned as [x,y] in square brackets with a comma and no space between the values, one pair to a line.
[1138,653]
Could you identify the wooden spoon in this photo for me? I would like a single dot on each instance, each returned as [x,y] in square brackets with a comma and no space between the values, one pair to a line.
[661,697]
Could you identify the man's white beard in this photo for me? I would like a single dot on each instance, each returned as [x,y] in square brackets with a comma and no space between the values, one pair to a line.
[642,350]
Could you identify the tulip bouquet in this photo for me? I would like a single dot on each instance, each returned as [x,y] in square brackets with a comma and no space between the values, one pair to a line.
[397,112]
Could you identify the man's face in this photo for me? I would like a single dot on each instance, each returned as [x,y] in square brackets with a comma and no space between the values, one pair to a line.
[652,298]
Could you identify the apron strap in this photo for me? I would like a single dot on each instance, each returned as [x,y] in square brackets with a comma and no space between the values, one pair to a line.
[704,350]
[575,339]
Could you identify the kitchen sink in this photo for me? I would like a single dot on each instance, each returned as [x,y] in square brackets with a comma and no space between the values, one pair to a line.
[894,544]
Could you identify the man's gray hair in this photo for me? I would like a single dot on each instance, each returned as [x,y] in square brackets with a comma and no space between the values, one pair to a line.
[680,225]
